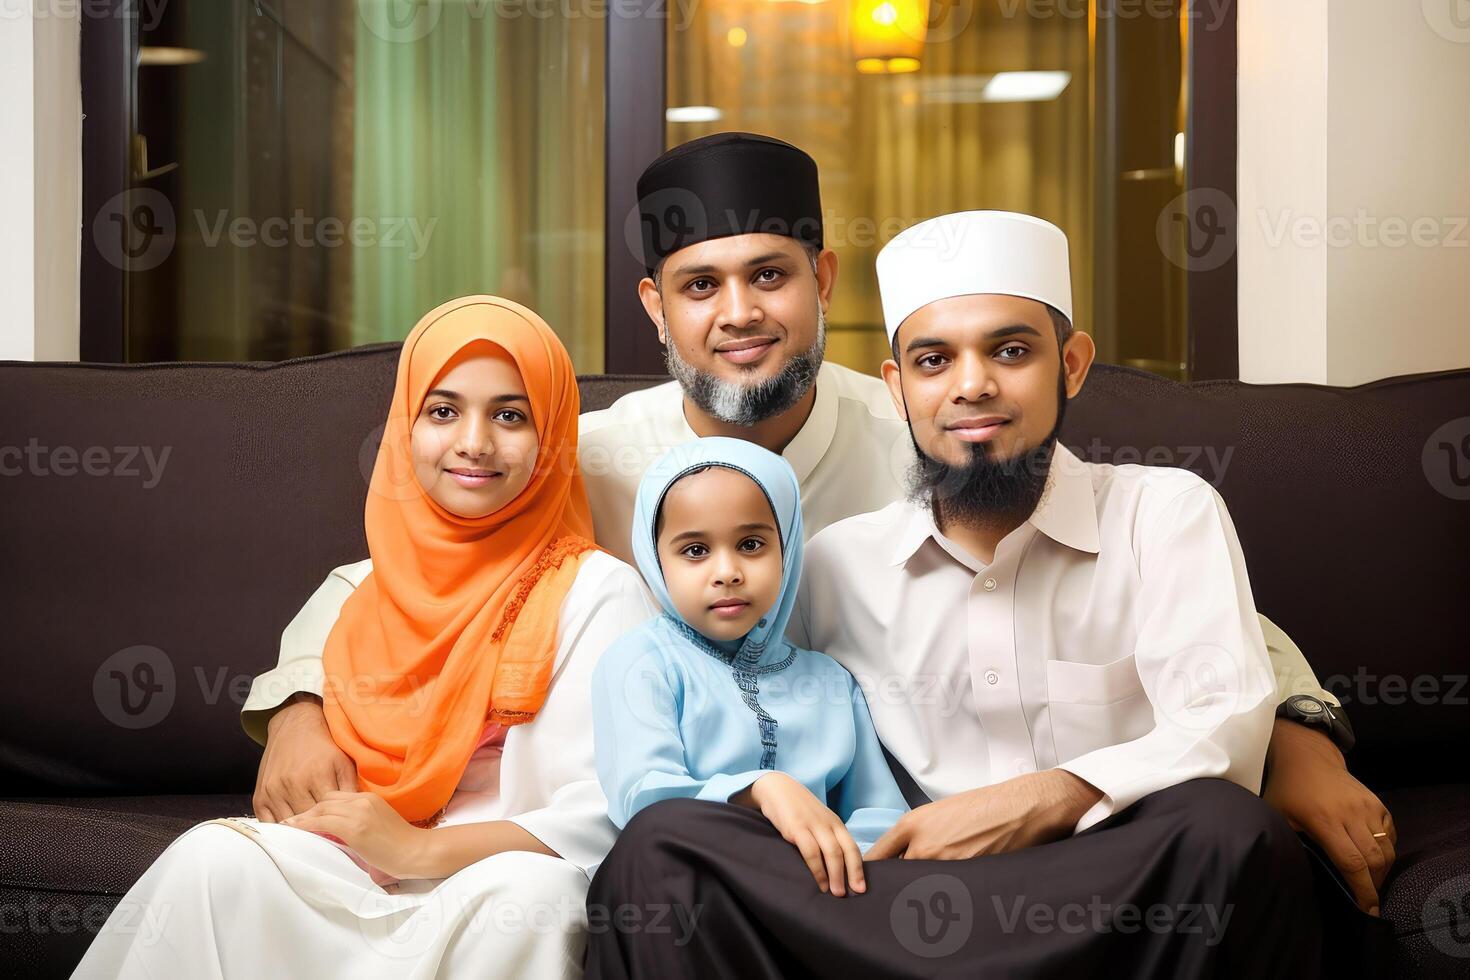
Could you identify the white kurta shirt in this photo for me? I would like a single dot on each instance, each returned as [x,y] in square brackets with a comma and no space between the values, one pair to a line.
[851,456]
[1113,635]
[543,776]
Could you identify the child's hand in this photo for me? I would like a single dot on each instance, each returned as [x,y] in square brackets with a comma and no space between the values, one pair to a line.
[369,825]
[807,822]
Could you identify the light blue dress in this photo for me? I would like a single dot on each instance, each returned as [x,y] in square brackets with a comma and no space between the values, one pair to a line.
[677,715]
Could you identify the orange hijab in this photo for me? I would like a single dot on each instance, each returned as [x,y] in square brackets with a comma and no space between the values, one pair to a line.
[456,626]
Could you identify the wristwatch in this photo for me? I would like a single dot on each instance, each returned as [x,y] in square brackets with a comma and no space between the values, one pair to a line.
[1329,719]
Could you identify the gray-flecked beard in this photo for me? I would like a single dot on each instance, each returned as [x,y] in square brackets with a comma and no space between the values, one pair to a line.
[984,491]
[746,404]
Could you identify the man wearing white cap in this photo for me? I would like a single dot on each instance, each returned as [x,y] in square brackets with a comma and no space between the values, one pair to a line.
[1064,656]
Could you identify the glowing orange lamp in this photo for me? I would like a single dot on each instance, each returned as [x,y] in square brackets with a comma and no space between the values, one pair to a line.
[888,35]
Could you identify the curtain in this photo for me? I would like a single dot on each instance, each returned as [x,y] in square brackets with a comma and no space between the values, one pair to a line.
[479,164]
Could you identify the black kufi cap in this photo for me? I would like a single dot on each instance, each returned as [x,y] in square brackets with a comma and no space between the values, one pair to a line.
[727,184]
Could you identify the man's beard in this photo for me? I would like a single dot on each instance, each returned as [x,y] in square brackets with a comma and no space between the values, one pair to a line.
[985,491]
[746,404]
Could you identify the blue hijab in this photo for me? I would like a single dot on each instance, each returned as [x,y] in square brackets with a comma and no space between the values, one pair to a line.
[766,641]
[667,725]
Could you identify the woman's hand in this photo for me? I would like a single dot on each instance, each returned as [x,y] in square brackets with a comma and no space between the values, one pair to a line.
[810,825]
[301,763]
[366,823]
[1309,784]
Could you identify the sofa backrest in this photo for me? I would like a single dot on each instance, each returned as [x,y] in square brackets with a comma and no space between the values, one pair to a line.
[1354,530]
[160,525]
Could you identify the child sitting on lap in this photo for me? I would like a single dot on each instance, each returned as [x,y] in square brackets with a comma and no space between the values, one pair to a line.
[709,701]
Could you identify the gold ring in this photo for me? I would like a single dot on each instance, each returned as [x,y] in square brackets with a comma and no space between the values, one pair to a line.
[1381,833]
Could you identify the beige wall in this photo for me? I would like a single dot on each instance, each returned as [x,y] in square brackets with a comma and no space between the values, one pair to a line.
[17,189]
[41,193]
[1354,190]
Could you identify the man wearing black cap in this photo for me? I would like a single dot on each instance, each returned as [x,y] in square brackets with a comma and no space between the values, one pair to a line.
[738,287]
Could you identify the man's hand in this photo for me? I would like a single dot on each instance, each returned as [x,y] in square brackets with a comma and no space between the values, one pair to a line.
[1308,783]
[1022,812]
[810,825]
[301,764]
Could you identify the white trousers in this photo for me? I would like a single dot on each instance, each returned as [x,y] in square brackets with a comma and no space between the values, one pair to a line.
[237,898]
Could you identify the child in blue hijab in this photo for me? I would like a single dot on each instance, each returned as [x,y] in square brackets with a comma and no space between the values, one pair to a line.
[709,701]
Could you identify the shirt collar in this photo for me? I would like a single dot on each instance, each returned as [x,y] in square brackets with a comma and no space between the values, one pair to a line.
[814,438]
[1067,513]
[913,526]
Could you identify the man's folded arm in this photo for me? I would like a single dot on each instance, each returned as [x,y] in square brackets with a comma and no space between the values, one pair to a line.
[299,670]
[1293,674]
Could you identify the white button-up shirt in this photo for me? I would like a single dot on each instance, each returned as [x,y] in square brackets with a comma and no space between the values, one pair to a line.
[1113,635]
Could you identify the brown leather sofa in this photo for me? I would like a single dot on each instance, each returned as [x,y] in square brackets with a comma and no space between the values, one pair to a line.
[160,524]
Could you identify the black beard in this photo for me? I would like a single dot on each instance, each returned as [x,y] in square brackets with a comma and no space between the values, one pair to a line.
[984,491]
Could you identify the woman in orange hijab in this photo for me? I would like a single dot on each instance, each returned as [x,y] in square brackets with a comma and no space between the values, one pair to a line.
[458,681]
[477,522]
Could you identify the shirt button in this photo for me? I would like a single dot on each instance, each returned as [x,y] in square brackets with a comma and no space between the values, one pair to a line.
[990,585]
[1022,767]
[991,677]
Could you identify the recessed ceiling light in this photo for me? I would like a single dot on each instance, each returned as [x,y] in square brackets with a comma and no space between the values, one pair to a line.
[692,114]
[1026,86]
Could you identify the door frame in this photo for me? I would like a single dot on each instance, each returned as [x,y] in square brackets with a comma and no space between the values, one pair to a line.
[635,100]
[109,60]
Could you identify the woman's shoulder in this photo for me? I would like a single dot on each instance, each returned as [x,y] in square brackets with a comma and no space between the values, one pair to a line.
[353,574]
[601,573]
[608,593]
[598,565]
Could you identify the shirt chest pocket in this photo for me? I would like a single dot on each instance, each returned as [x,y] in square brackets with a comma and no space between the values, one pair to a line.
[1095,705]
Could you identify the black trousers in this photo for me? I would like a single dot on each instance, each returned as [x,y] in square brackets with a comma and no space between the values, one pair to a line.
[1199,880]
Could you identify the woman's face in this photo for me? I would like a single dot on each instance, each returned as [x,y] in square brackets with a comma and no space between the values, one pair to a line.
[474,442]
[720,552]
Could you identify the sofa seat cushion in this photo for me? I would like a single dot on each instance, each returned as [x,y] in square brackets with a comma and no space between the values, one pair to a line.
[68,861]
[97,845]
[1427,896]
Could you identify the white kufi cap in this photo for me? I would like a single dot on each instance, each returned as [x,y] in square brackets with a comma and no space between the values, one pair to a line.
[973,252]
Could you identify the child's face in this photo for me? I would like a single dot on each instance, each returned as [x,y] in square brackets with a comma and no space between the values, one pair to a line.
[474,441]
[720,552]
